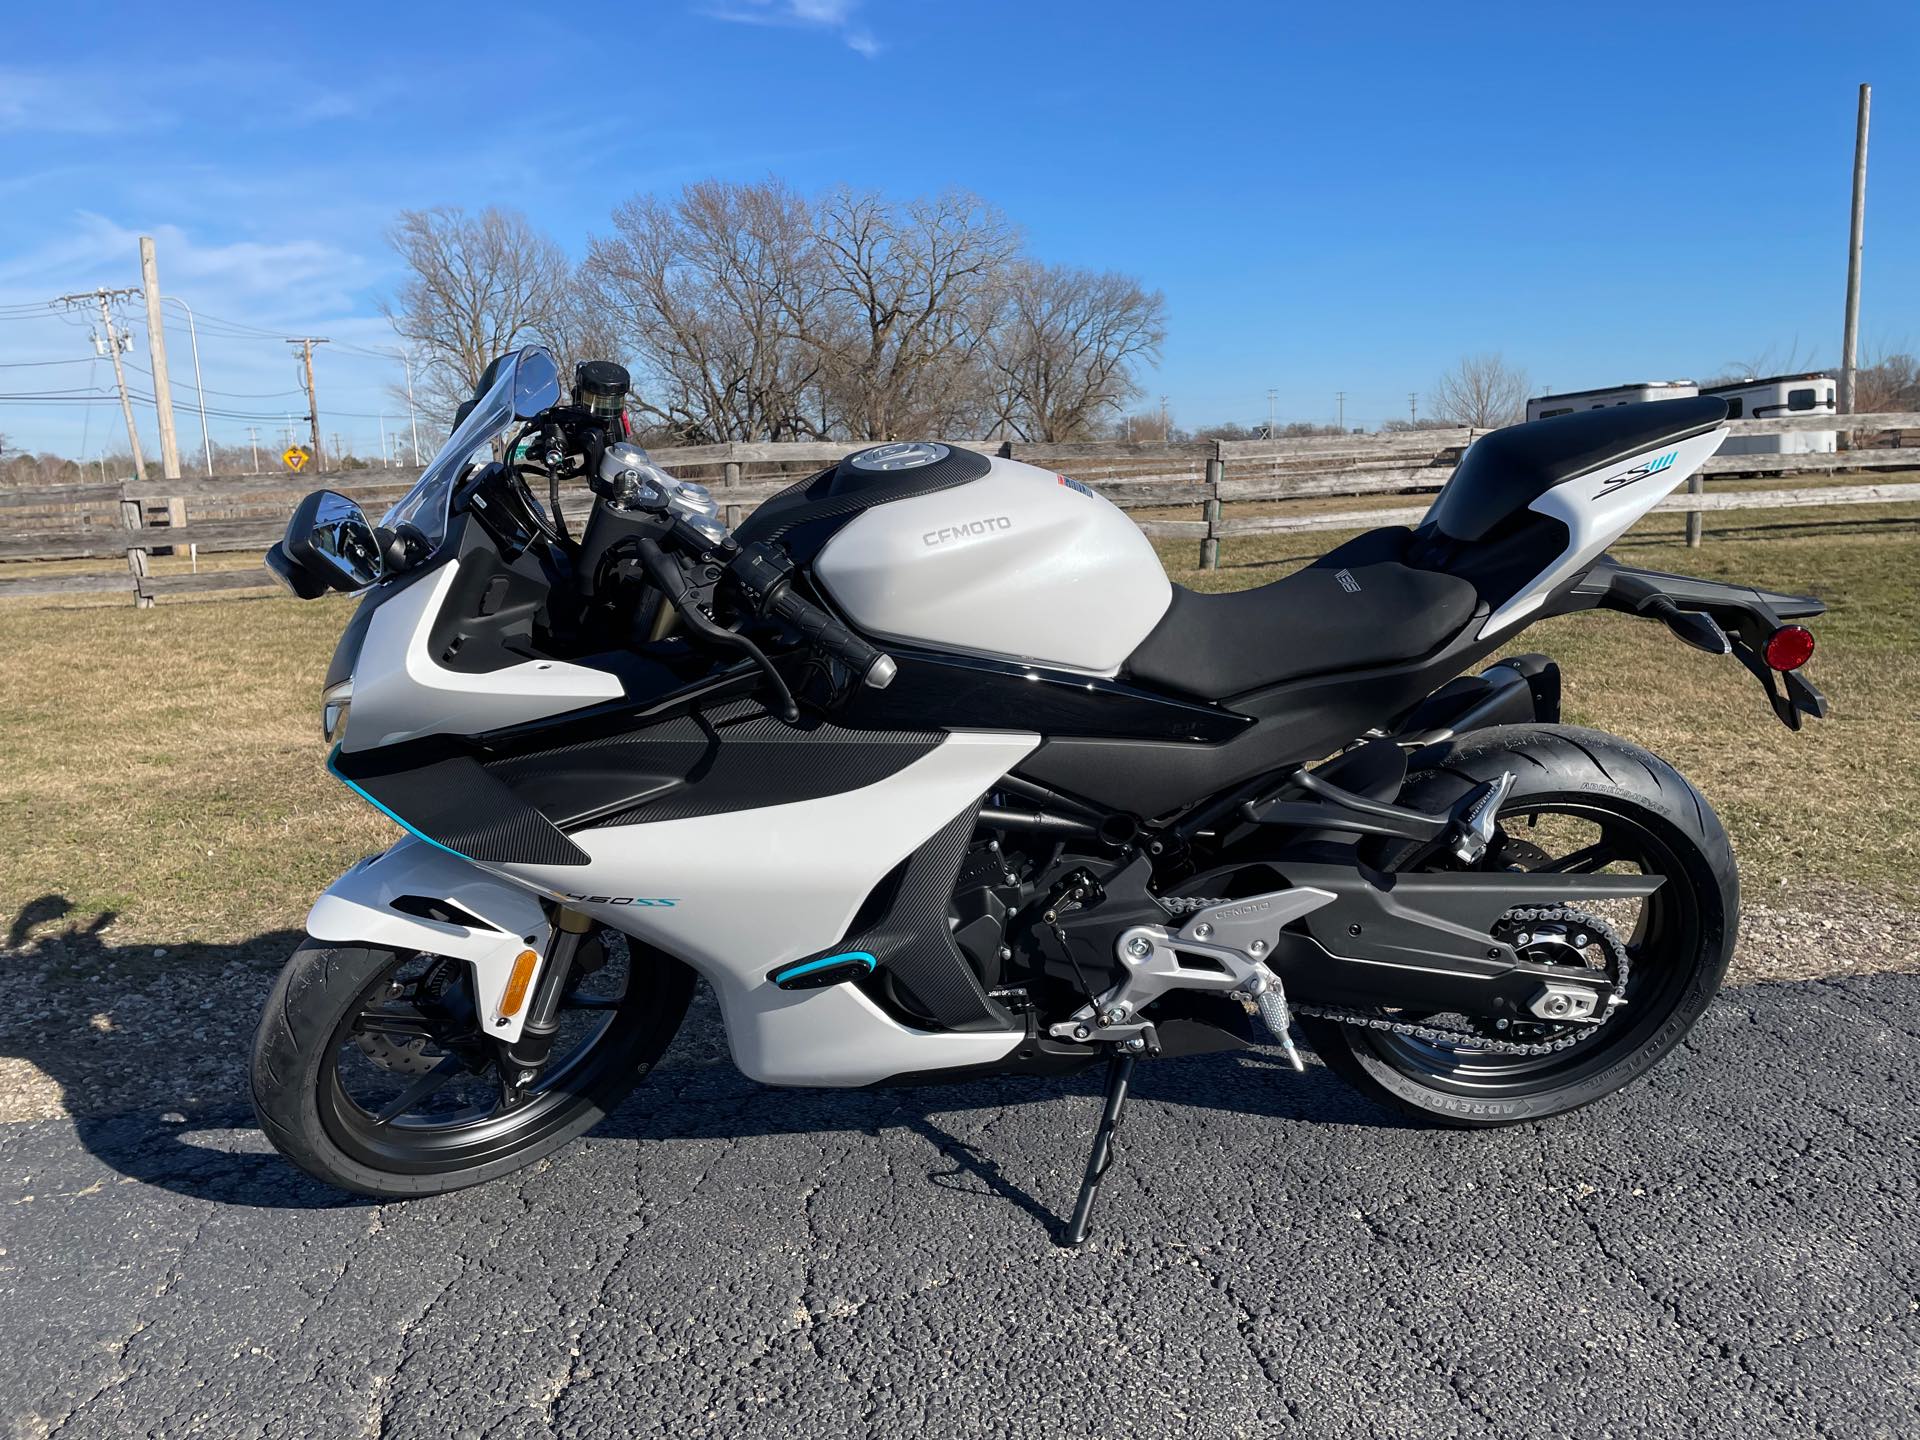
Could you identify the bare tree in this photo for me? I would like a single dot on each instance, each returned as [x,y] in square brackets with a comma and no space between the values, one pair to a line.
[1065,346]
[1481,391]
[1772,360]
[906,306]
[1887,384]
[711,293]
[477,286]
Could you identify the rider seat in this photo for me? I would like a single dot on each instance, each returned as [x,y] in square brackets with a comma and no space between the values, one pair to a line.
[1358,605]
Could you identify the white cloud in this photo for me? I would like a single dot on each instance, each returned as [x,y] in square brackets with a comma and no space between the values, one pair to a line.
[32,101]
[834,15]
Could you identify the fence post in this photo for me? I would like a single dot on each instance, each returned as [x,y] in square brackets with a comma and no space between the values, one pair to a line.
[1695,486]
[1210,547]
[133,516]
[730,479]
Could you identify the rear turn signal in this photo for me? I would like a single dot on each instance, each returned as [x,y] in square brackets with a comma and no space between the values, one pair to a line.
[515,994]
[1789,647]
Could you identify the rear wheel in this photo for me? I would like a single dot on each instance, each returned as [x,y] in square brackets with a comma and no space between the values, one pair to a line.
[1581,803]
[372,1073]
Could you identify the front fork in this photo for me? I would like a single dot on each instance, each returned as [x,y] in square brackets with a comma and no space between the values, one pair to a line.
[523,1058]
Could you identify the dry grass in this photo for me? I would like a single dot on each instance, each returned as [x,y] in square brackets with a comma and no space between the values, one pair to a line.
[164,764]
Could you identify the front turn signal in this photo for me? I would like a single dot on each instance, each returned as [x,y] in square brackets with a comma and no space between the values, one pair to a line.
[518,980]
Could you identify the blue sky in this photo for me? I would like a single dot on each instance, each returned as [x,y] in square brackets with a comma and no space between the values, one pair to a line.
[1332,197]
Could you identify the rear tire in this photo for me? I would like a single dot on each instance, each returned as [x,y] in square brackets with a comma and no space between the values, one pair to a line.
[1687,930]
[303,1111]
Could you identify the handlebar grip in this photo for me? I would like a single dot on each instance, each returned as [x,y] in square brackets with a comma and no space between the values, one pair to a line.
[873,667]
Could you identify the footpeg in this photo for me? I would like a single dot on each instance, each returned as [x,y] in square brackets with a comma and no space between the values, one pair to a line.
[1270,999]
[1474,821]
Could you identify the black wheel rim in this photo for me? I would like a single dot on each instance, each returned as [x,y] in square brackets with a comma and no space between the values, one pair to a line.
[1662,940]
[449,1112]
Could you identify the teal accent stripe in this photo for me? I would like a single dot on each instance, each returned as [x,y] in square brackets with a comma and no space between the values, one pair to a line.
[796,971]
[401,821]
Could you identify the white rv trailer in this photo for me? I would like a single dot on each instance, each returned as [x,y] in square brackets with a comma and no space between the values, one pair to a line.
[1545,407]
[1752,399]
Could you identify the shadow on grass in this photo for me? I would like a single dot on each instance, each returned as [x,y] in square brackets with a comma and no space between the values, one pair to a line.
[161,1097]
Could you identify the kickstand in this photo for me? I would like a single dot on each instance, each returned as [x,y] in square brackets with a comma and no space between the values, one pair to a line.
[1119,1076]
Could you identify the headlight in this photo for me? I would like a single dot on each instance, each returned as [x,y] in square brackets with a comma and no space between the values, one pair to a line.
[335,702]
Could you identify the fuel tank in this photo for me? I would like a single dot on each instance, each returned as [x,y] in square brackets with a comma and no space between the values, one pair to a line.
[1011,561]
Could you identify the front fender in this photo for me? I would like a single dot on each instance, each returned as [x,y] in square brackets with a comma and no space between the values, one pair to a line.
[486,920]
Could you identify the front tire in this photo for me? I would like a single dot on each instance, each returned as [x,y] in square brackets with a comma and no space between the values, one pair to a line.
[314,1015]
[1681,940]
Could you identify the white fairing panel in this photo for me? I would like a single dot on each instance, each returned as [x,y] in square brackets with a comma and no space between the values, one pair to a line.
[358,910]
[1598,507]
[737,894]
[401,692]
[1020,564]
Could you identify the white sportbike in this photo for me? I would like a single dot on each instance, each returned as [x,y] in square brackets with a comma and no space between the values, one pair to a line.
[930,773]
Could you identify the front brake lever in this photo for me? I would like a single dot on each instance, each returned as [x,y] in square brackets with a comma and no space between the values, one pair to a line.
[672,583]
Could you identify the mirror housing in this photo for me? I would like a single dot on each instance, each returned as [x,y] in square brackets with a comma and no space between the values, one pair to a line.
[329,544]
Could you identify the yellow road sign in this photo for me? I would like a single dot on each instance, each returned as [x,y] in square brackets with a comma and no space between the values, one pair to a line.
[295,457]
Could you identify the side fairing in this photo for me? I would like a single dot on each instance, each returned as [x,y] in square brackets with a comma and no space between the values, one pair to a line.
[1018,564]
[401,691]
[737,894]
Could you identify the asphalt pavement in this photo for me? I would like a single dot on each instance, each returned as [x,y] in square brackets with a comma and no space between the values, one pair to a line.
[1730,1248]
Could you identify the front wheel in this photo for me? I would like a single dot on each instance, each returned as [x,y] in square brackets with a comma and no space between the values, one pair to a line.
[371,1071]
[1581,803]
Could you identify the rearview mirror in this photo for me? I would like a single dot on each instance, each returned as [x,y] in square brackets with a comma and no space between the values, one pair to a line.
[331,538]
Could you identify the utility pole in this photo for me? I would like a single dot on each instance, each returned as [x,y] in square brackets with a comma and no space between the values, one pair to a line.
[253,443]
[338,454]
[1164,436]
[385,458]
[1850,342]
[1413,407]
[114,344]
[413,420]
[306,344]
[1340,398]
[157,353]
[1273,397]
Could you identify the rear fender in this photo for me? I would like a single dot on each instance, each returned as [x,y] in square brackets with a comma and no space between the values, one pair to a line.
[446,906]
[1520,690]
[1714,616]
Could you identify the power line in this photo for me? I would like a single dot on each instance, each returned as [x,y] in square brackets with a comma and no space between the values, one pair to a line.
[105,299]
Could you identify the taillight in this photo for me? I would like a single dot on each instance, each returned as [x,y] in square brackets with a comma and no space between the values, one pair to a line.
[1789,647]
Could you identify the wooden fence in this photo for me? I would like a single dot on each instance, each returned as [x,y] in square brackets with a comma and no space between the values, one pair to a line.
[246,513]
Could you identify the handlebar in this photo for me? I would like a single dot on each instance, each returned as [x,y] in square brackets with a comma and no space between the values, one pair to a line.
[872,667]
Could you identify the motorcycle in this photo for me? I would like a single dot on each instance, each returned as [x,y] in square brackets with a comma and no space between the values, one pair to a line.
[930,773]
